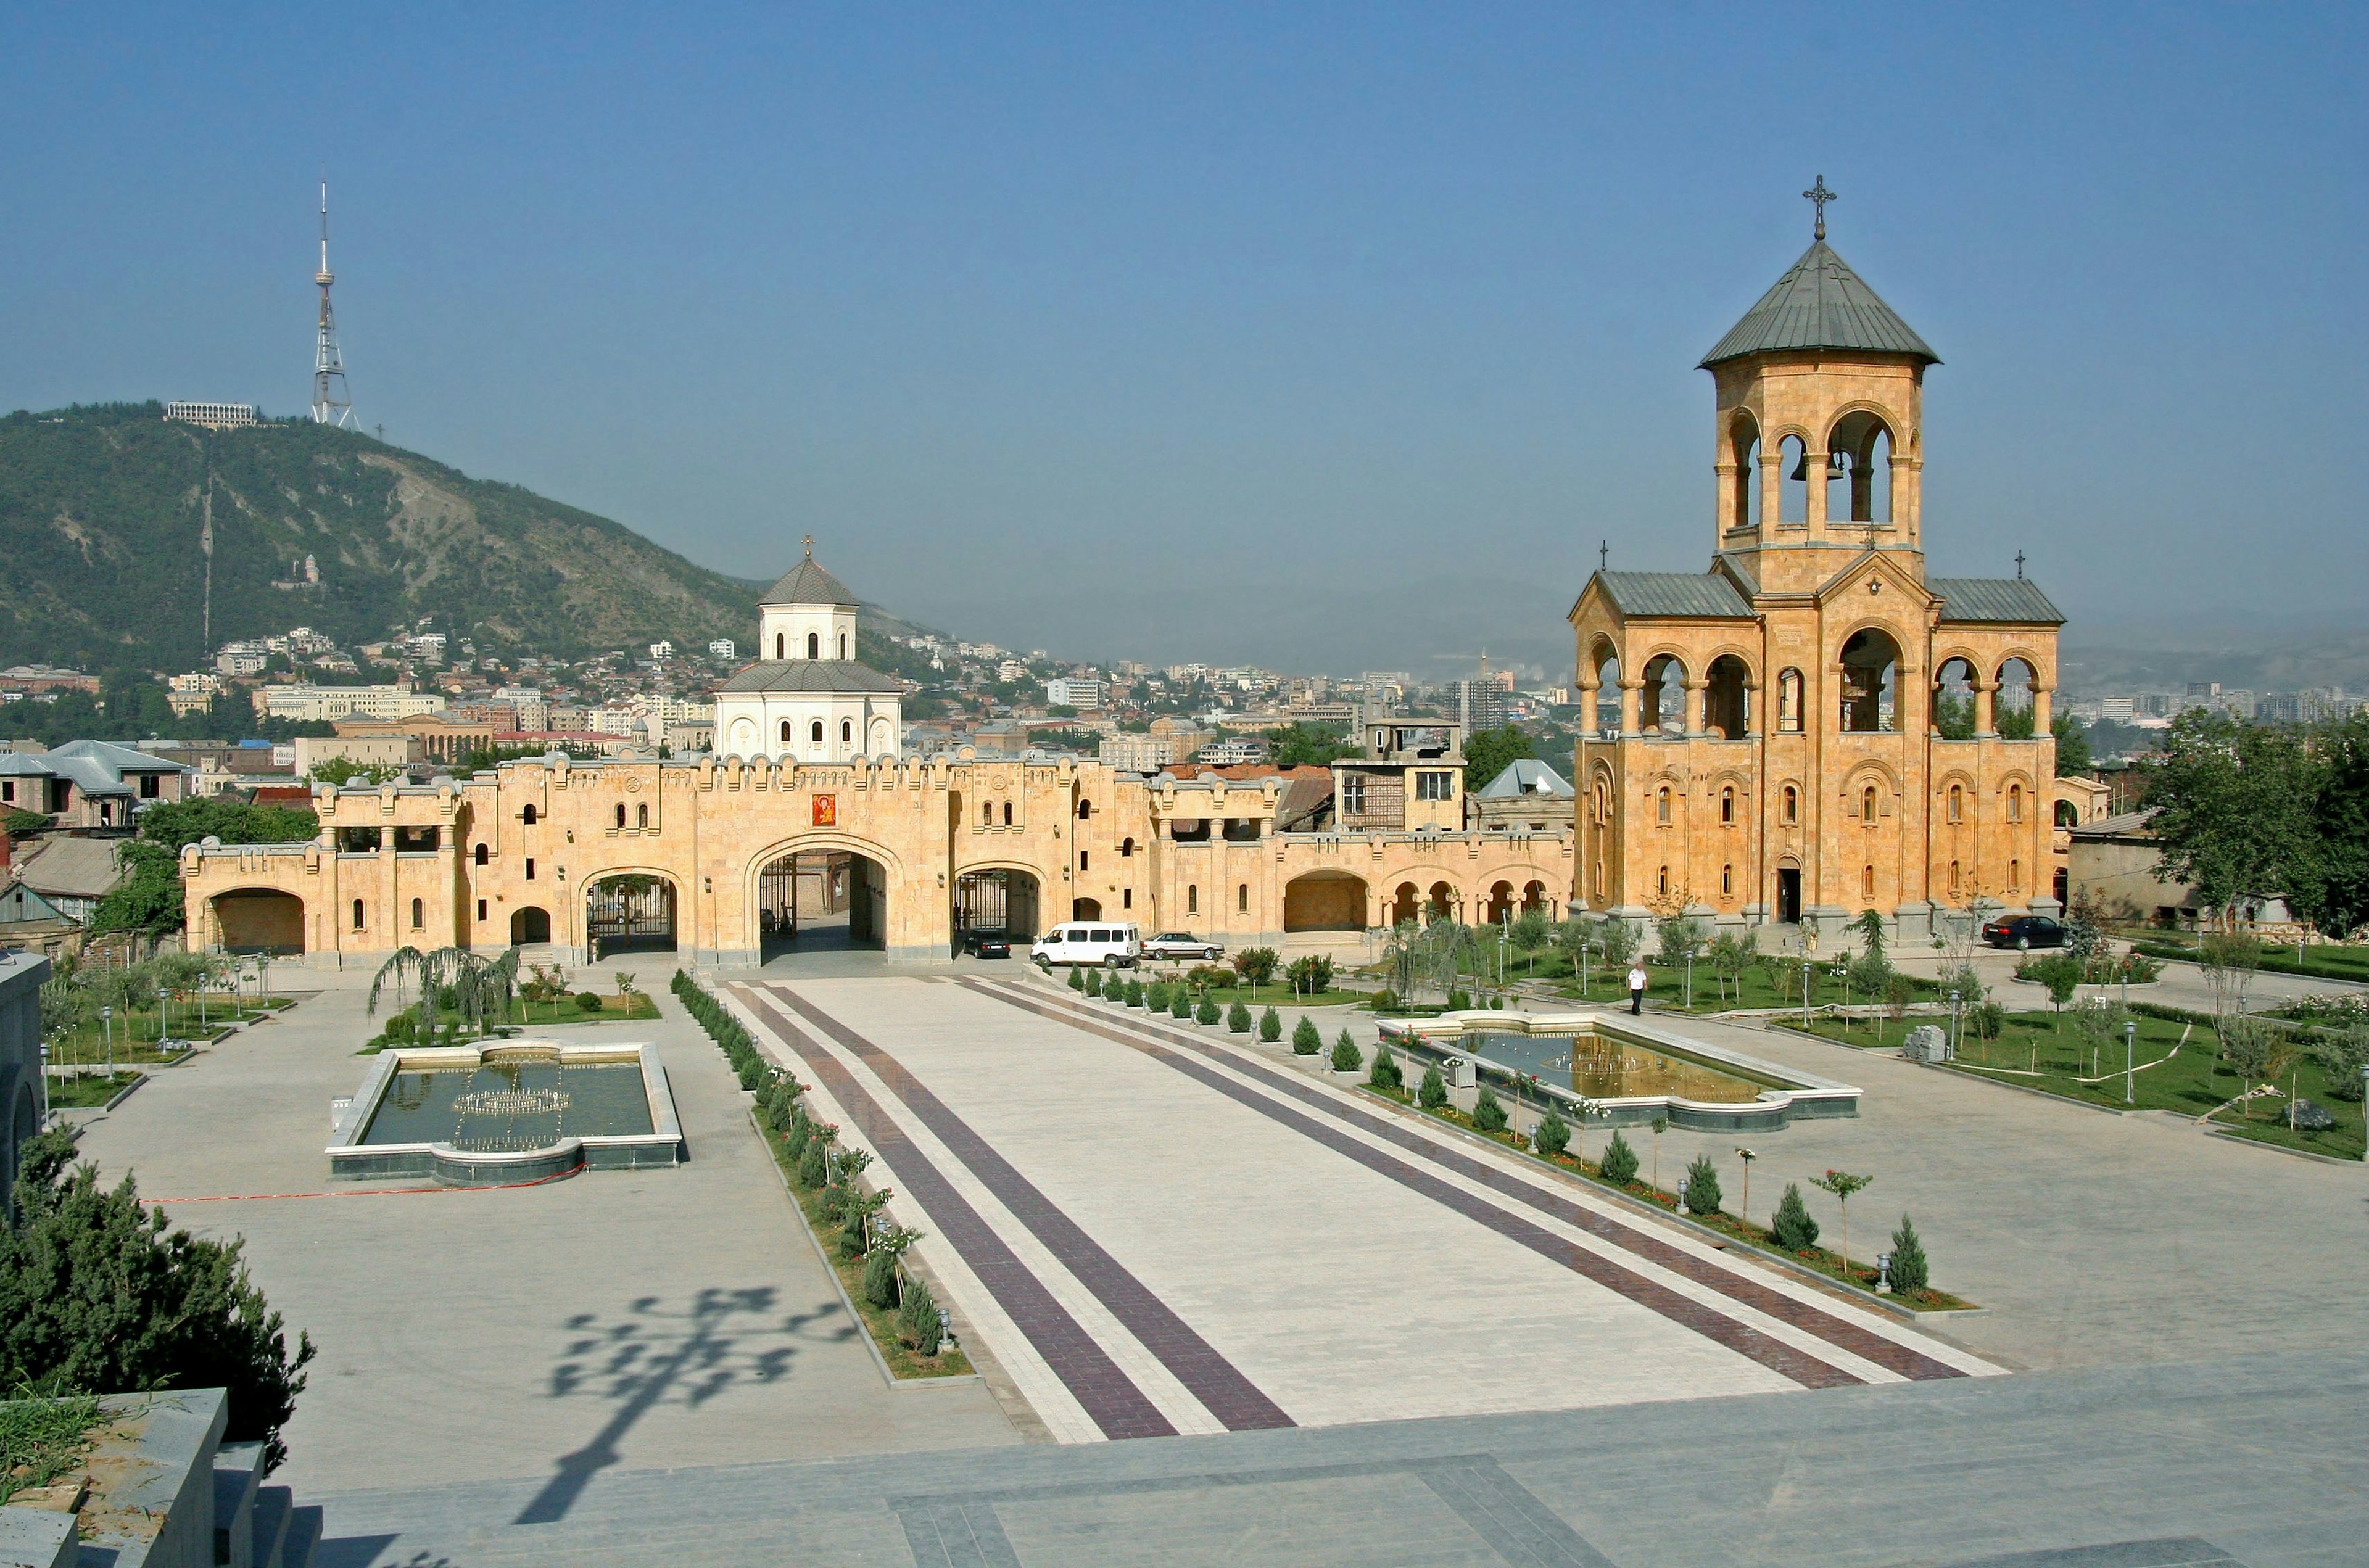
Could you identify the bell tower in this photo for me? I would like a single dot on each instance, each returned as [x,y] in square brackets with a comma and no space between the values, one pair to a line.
[1818,441]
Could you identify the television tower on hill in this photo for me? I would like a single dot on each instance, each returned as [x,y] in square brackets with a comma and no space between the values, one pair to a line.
[332,405]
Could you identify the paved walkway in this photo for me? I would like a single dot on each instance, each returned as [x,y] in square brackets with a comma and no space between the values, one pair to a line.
[1159,1233]
[2254,1463]
[644,1319]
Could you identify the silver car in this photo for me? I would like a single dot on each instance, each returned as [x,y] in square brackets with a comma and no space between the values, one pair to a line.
[1182,944]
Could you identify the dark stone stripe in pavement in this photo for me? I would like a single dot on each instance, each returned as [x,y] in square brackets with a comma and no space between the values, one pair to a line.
[1108,1394]
[1505,1514]
[2177,1551]
[1888,1353]
[1220,1386]
[951,1532]
[1712,1324]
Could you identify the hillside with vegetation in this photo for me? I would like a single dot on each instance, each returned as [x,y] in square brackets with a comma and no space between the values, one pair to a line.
[103,511]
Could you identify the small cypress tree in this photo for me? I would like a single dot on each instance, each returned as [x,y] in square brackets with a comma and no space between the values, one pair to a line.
[1458,1000]
[1702,1186]
[1386,1074]
[917,1320]
[1306,1041]
[1238,1019]
[1432,1092]
[1620,1166]
[1910,1270]
[1553,1135]
[853,1225]
[1094,982]
[1270,1027]
[1077,977]
[1181,1004]
[1488,1114]
[1135,993]
[880,1278]
[1207,1013]
[1793,1229]
[1347,1056]
[811,1170]
[1155,997]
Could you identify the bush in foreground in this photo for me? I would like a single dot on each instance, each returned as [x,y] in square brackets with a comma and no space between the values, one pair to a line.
[1207,1012]
[1270,1027]
[1179,1005]
[1386,1074]
[1238,1019]
[1910,1269]
[1488,1113]
[1702,1186]
[1306,1039]
[917,1320]
[1431,1094]
[1347,1056]
[1553,1134]
[98,1296]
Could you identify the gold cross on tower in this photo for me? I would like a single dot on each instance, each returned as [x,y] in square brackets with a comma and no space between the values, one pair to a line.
[1820,195]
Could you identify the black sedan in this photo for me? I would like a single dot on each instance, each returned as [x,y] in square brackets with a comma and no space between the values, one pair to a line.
[2021,932]
[987,943]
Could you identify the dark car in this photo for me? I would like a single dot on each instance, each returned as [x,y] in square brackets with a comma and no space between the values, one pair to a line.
[987,943]
[2024,930]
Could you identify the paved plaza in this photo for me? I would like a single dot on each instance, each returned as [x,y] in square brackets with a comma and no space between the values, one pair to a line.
[1234,1312]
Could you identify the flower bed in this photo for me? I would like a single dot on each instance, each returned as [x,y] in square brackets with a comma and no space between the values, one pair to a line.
[1817,1259]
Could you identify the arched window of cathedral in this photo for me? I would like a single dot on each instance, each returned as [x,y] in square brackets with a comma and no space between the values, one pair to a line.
[1867,882]
[481,854]
[1957,804]
[1789,700]
[1954,879]
[1661,881]
[987,814]
[1192,899]
[1870,668]
[2015,803]
[1599,878]
[1085,809]
[1792,806]
[2067,814]
[846,731]
[527,816]
[1662,705]
[1661,806]
[1242,898]
[1792,482]
[1007,814]
[814,644]
[780,645]
[1726,880]
[1606,716]
[785,732]
[2015,876]
[1727,804]
[1727,701]
[1744,448]
[2011,712]
[620,816]
[642,818]
[842,644]
[1867,803]
[1954,700]
[1858,472]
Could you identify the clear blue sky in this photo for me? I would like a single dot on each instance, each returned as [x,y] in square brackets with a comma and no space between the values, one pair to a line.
[1334,338]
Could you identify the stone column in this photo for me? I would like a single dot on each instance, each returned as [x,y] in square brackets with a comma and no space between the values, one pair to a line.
[1629,688]
[1752,717]
[1587,699]
[1983,690]
[1698,718]
[2040,696]
[1772,483]
[1813,467]
[1728,480]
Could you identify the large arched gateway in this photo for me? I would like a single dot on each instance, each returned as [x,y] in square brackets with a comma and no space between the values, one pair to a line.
[1324,900]
[821,899]
[260,920]
[628,912]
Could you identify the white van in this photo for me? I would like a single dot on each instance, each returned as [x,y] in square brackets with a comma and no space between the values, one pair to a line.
[1089,942]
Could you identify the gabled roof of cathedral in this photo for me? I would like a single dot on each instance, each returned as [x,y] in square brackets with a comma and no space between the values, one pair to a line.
[1820,304]
[1698,594]
[2016,600]
[807,583]
[824,675]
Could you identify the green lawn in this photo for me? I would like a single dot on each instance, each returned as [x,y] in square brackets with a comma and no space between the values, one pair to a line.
[93,1089]
[1762,986]
[2322,962]
[137,1031]
[2040,1050]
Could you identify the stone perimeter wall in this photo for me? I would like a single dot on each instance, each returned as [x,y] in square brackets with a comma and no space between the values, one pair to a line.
[1198,854]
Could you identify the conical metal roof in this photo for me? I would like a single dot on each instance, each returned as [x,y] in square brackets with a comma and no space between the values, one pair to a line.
[1820,304]
[807,583]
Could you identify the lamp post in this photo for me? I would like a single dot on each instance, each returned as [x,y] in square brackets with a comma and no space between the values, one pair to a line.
[163,1000]
[106,1024]
[2130,1052]
[1747,1156]
[1954,1024]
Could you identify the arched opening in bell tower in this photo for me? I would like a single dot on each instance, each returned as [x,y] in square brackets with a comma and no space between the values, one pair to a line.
[1859,476]
[1793,481]
[1743,450]
[1871,673]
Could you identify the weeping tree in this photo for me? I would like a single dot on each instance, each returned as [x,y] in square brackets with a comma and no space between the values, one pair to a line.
[482,988]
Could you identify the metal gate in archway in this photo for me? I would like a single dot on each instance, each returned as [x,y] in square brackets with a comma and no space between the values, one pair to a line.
[629,913]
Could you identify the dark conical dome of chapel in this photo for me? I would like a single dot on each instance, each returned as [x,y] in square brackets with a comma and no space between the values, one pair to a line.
[1820,304]
[807,583]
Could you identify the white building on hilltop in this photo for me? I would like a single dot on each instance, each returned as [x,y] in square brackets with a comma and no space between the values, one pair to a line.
[807,699]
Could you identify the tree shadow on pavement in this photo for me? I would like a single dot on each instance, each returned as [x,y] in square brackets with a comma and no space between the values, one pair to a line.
[685,1356]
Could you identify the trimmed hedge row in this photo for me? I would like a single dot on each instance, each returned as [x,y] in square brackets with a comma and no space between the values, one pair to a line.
[738,1049]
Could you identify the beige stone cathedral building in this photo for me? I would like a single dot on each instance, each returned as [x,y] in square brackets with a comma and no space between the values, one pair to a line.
[1782,749]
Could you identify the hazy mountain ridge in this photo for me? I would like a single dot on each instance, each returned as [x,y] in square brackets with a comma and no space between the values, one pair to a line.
[102,508]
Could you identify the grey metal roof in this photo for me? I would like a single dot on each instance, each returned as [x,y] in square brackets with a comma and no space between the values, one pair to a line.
[1524,775]
[66,867]
[1820,304]
[807,583]
[1698,594]
[822,675]
[2017,601]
